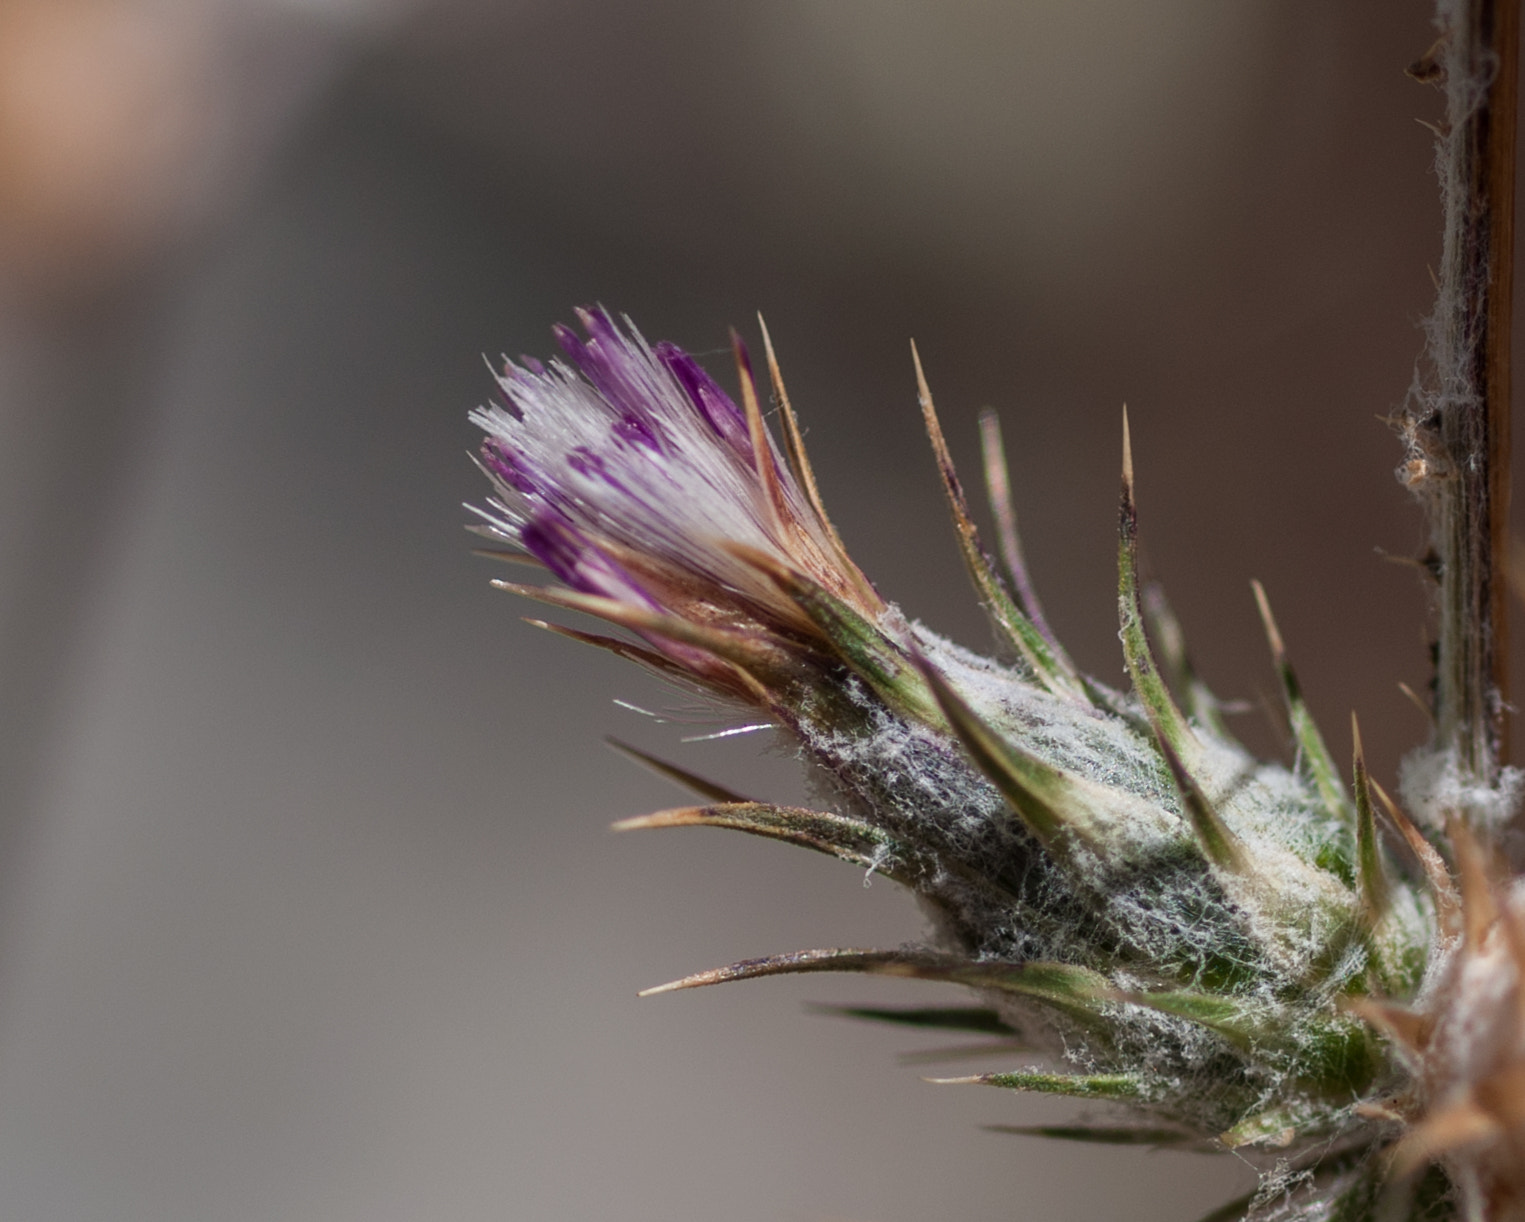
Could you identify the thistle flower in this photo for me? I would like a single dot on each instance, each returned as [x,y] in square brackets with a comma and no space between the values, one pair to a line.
[1157,918]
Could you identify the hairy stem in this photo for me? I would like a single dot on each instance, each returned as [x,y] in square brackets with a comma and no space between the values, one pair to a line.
[1457,425]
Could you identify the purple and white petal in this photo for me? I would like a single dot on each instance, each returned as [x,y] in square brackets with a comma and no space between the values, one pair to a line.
[635,445]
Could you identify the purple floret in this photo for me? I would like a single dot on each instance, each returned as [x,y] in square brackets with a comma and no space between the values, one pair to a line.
[634,430]
[715,406]
[575,560]
[623,445]
[593,465]
[510,467]
[611,364]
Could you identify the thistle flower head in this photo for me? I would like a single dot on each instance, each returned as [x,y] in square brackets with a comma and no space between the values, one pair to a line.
[635,479]
[1161,920]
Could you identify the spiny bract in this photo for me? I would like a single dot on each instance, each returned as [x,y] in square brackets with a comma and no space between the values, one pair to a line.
[1160,919]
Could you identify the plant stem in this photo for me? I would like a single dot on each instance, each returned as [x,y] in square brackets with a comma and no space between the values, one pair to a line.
[1458,425]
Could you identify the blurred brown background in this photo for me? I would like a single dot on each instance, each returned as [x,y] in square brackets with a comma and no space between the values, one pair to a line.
[308,909]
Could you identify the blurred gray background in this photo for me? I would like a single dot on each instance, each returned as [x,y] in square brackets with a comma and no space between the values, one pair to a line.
[308,906]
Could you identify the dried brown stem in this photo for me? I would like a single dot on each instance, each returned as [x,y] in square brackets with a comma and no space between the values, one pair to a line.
[1457,425]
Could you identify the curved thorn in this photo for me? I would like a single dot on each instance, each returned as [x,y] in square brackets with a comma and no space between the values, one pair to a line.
[978,1019]
[1442,887]
[1310,743]
[1008,541]
[1034,790]
[1165,716]
[1162,624]
[733,646]
[840,959]
[857,642]
[1078,1086]
[1053,669]
[762,447]
[1376,891]
[1216,838]
[1076,990]
[852,840]
[799,463]
[794,442]
[1108,1135]
[622,649]
[679,776]
[1414,698]
[1222,1015]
